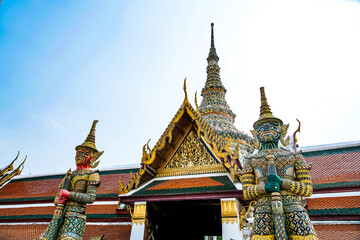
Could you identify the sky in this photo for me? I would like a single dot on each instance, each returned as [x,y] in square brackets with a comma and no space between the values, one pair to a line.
[66,63]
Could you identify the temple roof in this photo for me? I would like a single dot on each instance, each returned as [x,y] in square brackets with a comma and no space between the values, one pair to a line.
[214,108]
[188,146]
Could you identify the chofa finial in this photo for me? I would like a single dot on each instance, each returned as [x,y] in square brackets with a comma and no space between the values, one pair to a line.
[185,89]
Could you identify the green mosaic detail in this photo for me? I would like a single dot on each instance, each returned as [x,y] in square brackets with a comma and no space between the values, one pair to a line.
[337,184]
[334,211]
[331,151]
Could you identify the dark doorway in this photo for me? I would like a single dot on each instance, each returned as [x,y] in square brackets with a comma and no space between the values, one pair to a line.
[184,219]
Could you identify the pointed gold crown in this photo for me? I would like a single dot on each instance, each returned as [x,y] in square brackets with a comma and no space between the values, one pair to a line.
[265,111]
[90,140]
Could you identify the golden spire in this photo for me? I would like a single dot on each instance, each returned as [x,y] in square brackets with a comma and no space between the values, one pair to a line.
[265,111]
[90,140]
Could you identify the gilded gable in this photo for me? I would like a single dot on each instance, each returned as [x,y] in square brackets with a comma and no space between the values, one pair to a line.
[191,157]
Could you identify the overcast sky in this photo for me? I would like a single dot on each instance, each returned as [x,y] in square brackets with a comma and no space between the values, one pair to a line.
[65,63]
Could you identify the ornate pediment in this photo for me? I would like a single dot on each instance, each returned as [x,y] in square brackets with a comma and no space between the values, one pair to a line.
[191,157]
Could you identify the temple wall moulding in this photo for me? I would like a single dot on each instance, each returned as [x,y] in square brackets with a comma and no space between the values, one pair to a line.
[229,211]
[138,215]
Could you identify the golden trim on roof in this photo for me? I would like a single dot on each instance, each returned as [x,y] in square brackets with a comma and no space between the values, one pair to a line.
[5,176]
[211,168]
[215,144]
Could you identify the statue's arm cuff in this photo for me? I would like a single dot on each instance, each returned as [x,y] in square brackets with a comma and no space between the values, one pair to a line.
[261,189]
[286,184]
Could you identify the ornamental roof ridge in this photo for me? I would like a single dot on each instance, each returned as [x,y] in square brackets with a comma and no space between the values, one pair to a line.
[221,150]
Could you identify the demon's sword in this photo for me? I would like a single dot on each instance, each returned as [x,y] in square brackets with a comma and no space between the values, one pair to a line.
[276,205]
[53,228]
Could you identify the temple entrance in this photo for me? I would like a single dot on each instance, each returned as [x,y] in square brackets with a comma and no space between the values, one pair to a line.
[184,219]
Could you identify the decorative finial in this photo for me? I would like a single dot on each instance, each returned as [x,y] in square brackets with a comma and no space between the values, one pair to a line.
[185,89]
[212,36]
[196,104]
[265,111]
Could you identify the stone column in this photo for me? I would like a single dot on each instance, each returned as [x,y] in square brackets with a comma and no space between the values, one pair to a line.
[230,219]
[138,218]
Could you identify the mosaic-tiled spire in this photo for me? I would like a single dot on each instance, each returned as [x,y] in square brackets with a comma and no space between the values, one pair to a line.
[214,108]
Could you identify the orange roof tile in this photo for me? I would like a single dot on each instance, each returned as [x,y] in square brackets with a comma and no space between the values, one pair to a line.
[49,210]
[336,232]
[333,202]
[337,167]
[48,187]
[112,232]
[27,211]
[30,189]
[187,183]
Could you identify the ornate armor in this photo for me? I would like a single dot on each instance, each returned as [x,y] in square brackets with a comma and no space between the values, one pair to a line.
[291,167]
[77,189]
[83,186]
[276,178]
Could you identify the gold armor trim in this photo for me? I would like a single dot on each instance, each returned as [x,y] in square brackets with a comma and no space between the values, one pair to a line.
[310,237]
[265,237]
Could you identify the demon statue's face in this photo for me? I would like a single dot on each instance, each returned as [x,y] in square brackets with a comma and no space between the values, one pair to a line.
[268,132]
[83,156]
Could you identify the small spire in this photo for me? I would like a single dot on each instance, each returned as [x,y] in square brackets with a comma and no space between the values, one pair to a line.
[90,139]
[265,111]
[212,36]
[264,108]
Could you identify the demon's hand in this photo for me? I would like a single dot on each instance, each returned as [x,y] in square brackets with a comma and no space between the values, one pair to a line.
[63,196]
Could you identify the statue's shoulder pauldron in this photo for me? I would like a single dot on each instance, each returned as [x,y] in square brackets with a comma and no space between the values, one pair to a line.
[301,163]
[247,167]
[94,178]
